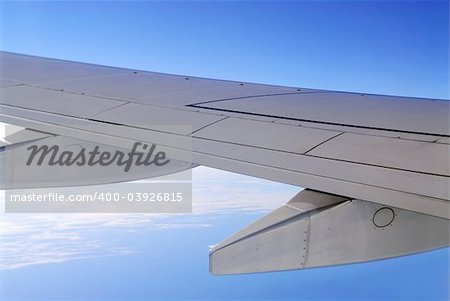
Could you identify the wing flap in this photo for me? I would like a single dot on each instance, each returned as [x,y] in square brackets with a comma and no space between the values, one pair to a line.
[416,156]
[403,189]
[265,135]
[350,172]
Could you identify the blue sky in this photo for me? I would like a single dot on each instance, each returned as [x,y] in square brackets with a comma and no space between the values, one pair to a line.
[385,47]
[393,47]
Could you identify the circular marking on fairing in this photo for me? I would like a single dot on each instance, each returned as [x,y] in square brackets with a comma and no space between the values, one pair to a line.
[383,217]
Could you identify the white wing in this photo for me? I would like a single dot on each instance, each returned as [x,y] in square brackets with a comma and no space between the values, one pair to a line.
[367,153]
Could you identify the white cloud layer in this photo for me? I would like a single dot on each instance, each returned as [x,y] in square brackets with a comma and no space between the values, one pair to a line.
[28,239]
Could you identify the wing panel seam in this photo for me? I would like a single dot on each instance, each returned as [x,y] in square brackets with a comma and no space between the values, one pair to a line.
[318,121]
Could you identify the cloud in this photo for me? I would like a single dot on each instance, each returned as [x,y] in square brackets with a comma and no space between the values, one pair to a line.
[216,191]
[30,239]
[183,226]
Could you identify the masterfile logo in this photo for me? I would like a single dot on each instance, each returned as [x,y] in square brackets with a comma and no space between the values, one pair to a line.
[52,155]
[102,169]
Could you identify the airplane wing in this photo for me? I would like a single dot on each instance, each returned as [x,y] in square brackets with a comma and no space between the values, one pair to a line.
[376,167]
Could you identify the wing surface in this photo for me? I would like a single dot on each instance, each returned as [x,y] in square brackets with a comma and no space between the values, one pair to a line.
[383,149]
